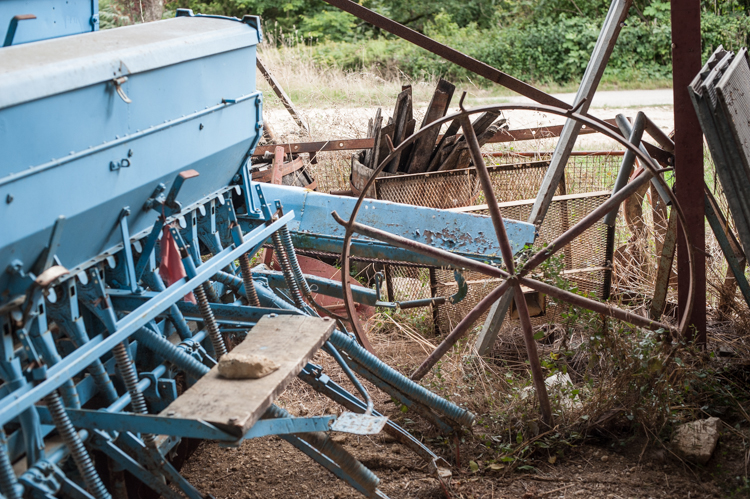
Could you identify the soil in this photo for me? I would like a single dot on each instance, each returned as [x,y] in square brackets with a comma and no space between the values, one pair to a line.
[617,468]
[270,467]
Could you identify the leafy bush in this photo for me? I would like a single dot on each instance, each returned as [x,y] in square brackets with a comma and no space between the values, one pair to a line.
[547,52]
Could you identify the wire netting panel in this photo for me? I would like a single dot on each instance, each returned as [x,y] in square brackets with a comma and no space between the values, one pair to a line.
[441,190]
[460,188]
[582,263]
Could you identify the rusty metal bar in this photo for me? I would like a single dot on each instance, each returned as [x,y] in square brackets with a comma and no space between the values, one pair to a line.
[593,305]
[461,329]
[447,53]
[534,154]
[507,253]
[531,352]
[401,242]
[658,135]
[501,136]
[688,140]
[585,223]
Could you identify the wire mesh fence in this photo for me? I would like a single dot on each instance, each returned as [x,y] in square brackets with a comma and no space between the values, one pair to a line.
[639,235]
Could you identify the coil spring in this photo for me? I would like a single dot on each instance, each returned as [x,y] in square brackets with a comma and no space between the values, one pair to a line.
[9,485]
[161,346]
[78,335]
[401,382]
[77,450]
[214,334]
[247,278]
[286,241]
[291,281]
[130,378]
[211,294]
[323,443]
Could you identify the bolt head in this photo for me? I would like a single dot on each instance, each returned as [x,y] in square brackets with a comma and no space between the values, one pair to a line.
[9,198]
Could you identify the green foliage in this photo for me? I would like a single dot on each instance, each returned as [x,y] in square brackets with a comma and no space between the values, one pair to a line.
[542,41]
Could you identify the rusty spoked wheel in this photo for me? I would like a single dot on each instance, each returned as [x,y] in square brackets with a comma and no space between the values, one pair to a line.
[514,277]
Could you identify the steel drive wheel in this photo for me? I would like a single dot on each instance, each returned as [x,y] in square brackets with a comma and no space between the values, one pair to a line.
[512,276]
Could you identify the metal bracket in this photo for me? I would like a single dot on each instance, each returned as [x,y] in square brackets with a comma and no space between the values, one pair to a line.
[127,250]
[168,204]
[118,88]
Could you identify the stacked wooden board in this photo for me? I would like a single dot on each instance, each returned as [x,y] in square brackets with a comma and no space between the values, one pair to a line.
[431,152]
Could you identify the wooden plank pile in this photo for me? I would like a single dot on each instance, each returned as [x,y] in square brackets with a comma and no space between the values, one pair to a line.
[429,153]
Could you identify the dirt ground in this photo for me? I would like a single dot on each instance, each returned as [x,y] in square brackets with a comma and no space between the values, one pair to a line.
[612,468]
[270,467]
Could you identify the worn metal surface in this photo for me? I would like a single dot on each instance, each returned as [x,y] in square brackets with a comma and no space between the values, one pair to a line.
[613,23]
[688,140]
[469,235]
[50,18]
[359,424]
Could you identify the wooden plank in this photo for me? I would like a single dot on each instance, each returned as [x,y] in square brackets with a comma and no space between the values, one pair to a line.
[235,405]
[442,152]
[459,155]
[371,155]
[402,114]
[481,126]
[423,147]
[278,166]
[406,154]
[383,150]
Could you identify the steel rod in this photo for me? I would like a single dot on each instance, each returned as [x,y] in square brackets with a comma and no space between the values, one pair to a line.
[459,331]
[594,305]
[447,53]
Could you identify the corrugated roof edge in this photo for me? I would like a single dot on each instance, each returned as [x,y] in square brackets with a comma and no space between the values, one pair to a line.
[40,69]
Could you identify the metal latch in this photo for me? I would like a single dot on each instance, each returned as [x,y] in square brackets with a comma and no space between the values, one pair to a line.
[118,86]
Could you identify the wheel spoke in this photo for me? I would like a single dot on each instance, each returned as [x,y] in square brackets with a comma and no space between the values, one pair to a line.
[585,223]
[531,353]
[489,194]
[461,329]
[593,305]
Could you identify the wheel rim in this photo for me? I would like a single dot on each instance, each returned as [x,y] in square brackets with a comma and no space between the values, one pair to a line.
[515,277]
